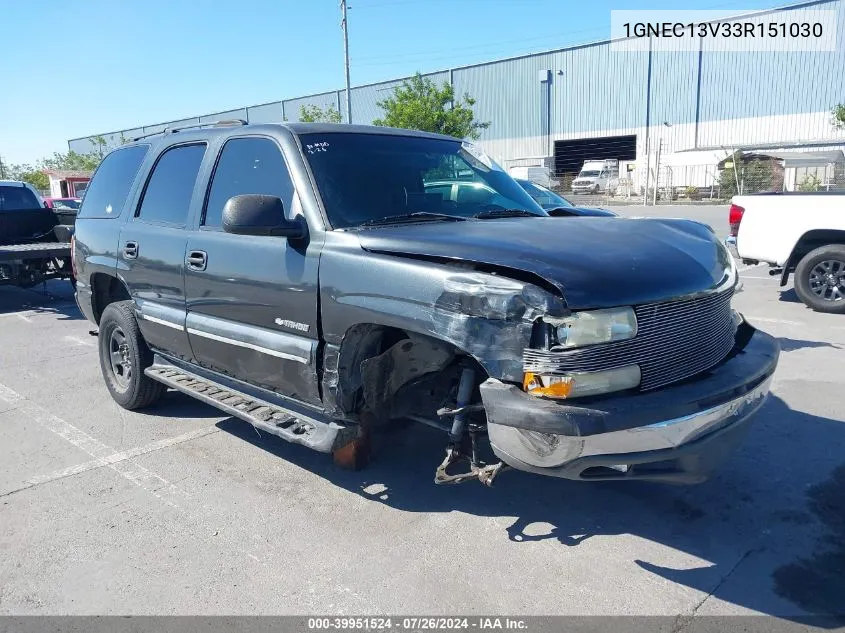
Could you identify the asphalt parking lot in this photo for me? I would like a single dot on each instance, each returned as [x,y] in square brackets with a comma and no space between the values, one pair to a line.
[180,510]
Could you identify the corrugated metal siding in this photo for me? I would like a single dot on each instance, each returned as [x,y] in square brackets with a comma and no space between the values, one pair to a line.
[598,90]
[323,101]
[265,113]
[674,94]
[507,95]
[771,83]
[365,99]
[79,145]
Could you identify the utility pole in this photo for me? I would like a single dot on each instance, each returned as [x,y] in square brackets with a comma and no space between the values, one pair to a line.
[657,169]
[647,172]
[345,26]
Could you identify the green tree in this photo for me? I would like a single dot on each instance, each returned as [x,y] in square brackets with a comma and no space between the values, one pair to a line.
[837,114]
[99,145]
[71,161]
[418,104]
[35,177]
[316,114]
[30,174]
[753,175]
[810,182]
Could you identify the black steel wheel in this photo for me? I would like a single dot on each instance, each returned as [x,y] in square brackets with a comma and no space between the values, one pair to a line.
[124,356]
[820,279]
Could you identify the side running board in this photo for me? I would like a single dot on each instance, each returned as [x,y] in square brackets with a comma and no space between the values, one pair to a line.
[322,436]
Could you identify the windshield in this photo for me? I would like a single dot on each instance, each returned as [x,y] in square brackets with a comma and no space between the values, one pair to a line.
[542,196]
[13,198]
[369,177]
[588,174]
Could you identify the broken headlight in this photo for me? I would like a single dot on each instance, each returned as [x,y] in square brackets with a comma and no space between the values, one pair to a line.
[580,384]
[594,326]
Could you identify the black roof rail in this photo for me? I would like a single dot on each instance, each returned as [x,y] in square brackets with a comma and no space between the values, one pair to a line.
[172,130]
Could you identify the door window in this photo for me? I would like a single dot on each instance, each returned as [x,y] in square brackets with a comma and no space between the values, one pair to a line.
[167,197]
[247,165]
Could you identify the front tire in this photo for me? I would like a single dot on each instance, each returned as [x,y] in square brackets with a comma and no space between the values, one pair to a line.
[124,356]
[820,279]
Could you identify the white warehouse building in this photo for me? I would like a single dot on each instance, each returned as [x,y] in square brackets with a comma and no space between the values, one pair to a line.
[627,100]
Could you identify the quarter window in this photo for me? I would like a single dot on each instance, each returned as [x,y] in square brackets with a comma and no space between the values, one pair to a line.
[107,192]
[247,165]
[167,197]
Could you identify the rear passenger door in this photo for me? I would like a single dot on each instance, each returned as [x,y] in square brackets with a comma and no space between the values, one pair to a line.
[252,300]
[151,250]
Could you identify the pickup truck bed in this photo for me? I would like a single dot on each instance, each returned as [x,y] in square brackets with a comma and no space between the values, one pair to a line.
[13,252]
[34,246]
[796,232]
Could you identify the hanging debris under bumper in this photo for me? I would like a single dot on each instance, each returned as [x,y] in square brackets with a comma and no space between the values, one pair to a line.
[679,433]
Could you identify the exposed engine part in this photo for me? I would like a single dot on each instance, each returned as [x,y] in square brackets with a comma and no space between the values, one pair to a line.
[413,361]
[485,473]
[465,389]
[457,451]
[446,412]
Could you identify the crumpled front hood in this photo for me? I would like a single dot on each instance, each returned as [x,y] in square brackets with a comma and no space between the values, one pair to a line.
[594,262]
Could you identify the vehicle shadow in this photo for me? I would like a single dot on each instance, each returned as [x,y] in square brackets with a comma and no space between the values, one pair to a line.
[789,296]
[55,297]
[792,344]
[761,490]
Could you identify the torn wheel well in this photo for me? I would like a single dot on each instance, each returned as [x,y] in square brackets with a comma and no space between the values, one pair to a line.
[391,373]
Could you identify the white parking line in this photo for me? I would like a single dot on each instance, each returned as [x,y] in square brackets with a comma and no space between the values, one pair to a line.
[191,509]
[78,341]
[115,458]
[750,317]
[152,482]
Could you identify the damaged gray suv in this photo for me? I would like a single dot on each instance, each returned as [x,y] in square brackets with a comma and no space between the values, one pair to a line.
[316,282]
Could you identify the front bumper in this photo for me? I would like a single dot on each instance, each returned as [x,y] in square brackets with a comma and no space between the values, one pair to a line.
[679,433]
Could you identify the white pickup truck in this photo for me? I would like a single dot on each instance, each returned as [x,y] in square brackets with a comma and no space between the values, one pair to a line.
[800,232]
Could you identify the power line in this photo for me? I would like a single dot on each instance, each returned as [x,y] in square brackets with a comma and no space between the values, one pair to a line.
[485,47]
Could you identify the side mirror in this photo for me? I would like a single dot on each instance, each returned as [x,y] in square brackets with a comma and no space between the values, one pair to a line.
[254,214]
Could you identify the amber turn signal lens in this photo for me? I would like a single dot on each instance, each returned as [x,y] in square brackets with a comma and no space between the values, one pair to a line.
[558,387]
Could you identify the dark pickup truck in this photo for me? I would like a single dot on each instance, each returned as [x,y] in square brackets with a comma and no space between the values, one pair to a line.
[304,278]
[34,240]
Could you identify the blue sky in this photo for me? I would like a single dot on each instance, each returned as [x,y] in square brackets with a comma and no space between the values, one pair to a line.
[73,68]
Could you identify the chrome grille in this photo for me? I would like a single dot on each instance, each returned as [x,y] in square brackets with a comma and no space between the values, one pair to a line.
[675,340]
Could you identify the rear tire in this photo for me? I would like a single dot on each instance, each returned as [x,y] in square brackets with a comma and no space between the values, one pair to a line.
[820,279]
[124,356]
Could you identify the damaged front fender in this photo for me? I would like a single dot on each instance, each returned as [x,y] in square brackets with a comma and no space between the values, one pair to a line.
[488,316]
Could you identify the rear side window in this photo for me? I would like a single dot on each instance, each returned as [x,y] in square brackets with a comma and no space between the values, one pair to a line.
[167,196]
[107,191]
[247,165]
[17,198]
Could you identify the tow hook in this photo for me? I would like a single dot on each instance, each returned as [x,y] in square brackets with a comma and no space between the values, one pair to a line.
[485,473]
